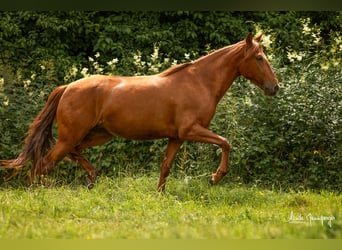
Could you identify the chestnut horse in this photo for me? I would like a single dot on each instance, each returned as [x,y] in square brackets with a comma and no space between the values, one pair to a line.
[177,104]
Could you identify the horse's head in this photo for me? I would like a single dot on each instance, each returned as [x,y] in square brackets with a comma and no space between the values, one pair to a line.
[256,67]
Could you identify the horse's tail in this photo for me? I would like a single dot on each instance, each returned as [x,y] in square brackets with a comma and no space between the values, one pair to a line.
[39,136]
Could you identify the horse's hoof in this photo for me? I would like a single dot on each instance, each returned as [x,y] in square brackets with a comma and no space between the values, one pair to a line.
[90,183]
[90,186]
[212,181]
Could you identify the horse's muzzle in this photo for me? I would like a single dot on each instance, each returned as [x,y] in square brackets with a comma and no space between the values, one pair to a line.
[272,89]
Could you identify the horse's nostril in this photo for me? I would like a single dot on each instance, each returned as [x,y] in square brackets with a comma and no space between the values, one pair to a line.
[276,88]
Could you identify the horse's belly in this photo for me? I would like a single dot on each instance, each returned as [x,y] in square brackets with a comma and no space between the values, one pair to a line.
[140,127]
[138,132]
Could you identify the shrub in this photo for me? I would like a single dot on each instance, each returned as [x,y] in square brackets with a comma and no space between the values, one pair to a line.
[294,139]
[291,140]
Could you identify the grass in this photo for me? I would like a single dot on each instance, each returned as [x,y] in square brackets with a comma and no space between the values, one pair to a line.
[131,208]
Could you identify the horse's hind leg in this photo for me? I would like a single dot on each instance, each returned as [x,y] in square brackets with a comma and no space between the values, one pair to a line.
[95,137]
[91,170]
[57,153]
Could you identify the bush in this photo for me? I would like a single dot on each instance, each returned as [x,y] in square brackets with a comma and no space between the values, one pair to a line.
[289,141]
[293,139]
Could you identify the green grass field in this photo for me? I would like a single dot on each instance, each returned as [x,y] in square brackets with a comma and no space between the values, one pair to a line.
[131,208]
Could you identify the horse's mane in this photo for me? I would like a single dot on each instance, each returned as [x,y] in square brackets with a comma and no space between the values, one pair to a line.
[234,48]
[174,69]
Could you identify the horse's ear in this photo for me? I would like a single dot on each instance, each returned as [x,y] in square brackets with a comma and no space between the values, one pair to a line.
[249,40]
[259,38]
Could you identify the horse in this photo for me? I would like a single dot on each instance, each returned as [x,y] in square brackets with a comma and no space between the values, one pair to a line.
[177,104]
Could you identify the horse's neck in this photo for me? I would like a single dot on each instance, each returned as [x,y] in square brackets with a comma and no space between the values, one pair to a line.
[219,69]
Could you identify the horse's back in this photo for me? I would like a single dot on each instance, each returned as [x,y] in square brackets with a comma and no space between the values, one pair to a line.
[143,107]
[131,107]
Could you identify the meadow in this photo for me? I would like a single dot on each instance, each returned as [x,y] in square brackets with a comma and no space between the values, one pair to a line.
[284,179]
[131,208]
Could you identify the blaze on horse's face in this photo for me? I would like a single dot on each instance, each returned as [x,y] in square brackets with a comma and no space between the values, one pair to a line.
[256,67]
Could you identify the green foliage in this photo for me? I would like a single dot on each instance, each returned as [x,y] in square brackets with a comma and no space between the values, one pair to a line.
[293,139]
[289,141]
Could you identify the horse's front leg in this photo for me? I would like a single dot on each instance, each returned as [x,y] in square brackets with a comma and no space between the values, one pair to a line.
[170,155]
[201,134]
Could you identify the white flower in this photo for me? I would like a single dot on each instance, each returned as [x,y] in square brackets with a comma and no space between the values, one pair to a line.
[317,39]
[73,71]
[84,72]
[154,69]
[306,28]
[155,54]
[137,58]
[336,62]
[6,101]
[324,66]
[97,55]
[27,82]
[292,56]
[266,40]
[113,62]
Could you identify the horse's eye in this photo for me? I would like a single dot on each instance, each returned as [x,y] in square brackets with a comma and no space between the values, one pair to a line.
[259,58]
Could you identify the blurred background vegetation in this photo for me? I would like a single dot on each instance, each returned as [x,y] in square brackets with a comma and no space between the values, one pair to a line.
[291,141]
